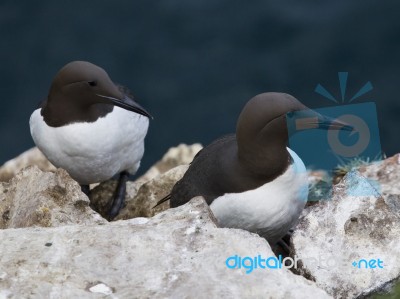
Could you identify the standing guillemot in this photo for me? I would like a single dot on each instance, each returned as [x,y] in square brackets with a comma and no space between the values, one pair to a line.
[91,127]
[251,180]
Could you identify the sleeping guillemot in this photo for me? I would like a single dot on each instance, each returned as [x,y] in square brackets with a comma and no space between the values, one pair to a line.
[91,127]
[250,179]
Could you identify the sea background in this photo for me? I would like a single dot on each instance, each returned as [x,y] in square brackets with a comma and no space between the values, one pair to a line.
[194,64]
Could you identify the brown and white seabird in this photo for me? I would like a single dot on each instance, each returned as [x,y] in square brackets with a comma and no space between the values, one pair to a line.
[91,127]
[251,179]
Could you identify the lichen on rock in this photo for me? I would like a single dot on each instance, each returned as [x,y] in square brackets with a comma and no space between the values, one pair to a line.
[37,198]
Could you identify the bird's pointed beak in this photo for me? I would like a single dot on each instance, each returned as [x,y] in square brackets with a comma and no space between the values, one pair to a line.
[128,104]
[329,123]
[309,119]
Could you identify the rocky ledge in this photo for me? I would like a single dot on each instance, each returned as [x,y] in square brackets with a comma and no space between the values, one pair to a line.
[56,243]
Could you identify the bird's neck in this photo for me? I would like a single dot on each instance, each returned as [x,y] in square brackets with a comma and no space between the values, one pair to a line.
[264,160]
[60,112]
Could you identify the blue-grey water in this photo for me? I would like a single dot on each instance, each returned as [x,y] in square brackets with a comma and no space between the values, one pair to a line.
[193,64]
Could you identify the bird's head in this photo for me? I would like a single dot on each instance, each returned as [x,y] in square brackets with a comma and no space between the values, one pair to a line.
[262,125]
[85,84]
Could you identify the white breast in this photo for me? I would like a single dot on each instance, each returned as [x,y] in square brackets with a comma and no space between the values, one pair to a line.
[93,152]
[270,210]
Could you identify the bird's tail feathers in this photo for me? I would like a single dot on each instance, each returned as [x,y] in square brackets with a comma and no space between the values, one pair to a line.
[166,198]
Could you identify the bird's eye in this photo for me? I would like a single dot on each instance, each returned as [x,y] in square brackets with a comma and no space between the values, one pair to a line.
[92,83]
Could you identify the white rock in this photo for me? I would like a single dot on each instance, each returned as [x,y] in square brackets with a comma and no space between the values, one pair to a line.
[182,154]
[101,288]
[142,203]
[356,224]
[157,259]
[32,156]
[37,198]
[385,173]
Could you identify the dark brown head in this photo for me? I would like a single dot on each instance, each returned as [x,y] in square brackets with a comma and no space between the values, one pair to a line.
[83,92]
[262,133]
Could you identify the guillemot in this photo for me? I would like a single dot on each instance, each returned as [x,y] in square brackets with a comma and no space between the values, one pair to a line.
[91,127]
[251,179]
